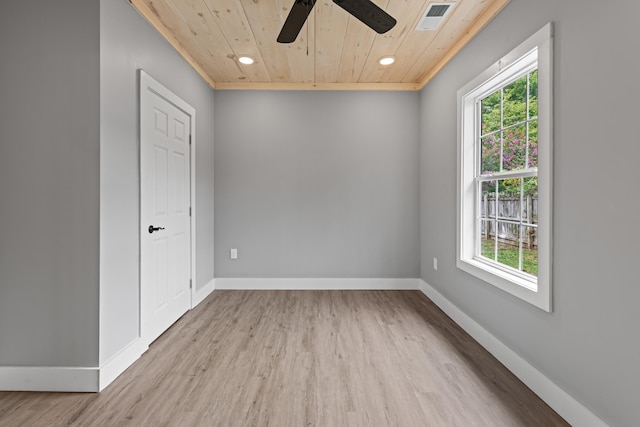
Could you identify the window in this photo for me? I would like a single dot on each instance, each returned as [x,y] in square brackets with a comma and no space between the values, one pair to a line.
[505,171]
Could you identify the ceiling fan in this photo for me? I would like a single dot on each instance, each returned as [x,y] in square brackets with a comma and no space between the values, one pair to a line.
[365,10]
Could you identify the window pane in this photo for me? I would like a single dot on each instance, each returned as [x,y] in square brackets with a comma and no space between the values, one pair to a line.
[504,238]
[515,102]
[529,250]
[491,113]
[533,144]
[491,154]
[509,187]
[509,200]
[533,94]
[487,215]
[514,148]
[487,199]
[508,250]
[488,240]
[530,198]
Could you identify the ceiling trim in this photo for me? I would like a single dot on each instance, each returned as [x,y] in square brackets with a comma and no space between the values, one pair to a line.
[477,26]
[155,22]
[318,86]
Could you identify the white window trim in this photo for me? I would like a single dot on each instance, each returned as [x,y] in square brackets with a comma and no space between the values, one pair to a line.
[539,294]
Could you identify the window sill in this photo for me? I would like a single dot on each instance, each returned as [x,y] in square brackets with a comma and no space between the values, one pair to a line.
[510,283]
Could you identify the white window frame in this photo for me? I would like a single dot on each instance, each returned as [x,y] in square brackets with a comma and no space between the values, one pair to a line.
[515,63]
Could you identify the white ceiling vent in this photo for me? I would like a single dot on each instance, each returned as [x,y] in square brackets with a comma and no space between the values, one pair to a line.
[434,15]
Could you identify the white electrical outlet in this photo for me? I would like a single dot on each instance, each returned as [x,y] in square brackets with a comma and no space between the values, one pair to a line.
[435,263]
[233,253]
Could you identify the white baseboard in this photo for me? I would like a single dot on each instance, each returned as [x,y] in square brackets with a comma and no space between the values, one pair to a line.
[316,284]
[70,379]
[48,378]
[119,363]
[564,404]
[80,379]
[202,293]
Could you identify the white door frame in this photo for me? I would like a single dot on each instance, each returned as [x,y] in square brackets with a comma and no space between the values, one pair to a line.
[148,85]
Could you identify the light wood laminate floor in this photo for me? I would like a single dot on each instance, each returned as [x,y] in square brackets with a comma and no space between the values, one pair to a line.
[301,358]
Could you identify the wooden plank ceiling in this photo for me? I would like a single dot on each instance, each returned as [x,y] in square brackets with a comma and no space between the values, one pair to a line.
[334,51]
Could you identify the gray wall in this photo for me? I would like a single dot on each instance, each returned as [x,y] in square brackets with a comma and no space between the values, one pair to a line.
[589,345]
[310,184]
[49,182]
[128,43]
[317,184]
[69,176]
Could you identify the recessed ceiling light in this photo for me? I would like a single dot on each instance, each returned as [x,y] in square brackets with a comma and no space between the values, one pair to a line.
[246,59]
[387,60]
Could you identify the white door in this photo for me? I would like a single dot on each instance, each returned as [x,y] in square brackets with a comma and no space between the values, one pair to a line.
[164,209]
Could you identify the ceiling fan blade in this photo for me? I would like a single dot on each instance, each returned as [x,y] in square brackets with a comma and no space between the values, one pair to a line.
[369,13]
[296,19]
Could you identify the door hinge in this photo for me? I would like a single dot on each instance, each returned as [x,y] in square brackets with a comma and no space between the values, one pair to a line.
[189,210]
[189,139]
[190,284]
